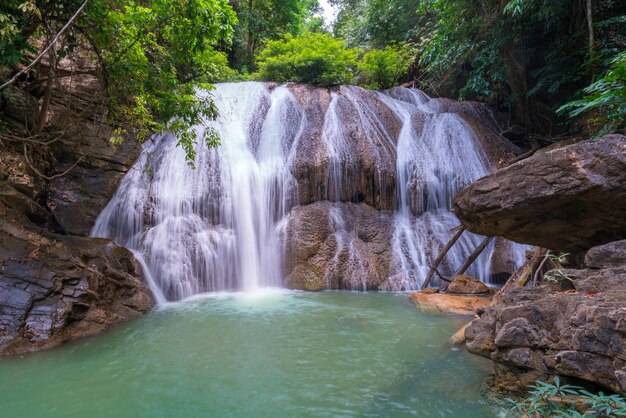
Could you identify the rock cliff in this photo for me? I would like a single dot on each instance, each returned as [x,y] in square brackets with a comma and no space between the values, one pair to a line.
[55,283]
[574,327]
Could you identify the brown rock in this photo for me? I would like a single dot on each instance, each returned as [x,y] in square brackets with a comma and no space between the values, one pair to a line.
[565,199]
[532,333]
[337,246]
[455,304]
[609,255]
[464,284]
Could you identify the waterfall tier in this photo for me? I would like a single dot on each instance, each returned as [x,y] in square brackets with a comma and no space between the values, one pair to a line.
[310,188]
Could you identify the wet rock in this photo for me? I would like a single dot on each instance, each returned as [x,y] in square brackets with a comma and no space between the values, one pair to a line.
[363,169]
[580,332]
[337,246]
[565,199]
[464,284]
[55,288]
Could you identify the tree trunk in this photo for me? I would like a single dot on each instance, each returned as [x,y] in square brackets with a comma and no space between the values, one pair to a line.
[589,10]
[43,110]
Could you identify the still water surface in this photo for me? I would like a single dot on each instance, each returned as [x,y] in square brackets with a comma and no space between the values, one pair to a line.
[271,354]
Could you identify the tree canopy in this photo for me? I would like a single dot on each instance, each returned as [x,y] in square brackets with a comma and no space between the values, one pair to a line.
[528,58]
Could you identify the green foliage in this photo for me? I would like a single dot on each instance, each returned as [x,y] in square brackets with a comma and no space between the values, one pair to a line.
[551,400]
[315,58]
[607,96]
[377,23]
[155,54]
[260,21]
[382,68]
[14,32]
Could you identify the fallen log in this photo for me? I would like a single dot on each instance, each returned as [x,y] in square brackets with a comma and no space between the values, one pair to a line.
[441,255]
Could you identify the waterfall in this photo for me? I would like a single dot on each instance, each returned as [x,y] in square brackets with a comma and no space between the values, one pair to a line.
[435,159]
[224,224]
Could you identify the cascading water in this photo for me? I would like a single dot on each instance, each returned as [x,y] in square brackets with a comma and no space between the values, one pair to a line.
[434,161]
[224,225]
[214,227]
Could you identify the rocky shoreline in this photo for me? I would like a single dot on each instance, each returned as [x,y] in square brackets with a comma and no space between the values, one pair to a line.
[57,284]
[572,322]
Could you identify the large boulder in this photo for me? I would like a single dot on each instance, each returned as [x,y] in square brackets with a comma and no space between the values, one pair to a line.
[55,288]
[573,325]
[565,199]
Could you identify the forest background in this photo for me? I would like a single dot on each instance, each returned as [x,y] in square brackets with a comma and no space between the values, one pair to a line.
[552,68]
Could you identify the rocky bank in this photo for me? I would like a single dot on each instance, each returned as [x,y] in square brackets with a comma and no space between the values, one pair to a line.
[56,283]
[573,322]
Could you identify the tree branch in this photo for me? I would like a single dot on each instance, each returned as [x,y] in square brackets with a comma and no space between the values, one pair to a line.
[42,53]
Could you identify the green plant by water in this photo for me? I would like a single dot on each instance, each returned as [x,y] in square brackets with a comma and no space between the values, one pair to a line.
[567,401]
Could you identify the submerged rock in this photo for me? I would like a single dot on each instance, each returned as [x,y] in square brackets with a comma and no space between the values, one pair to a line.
[577,330]
[565,199]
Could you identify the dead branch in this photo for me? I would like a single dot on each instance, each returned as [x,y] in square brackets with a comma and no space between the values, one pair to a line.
[545,258]
[441,255]
[42,53]
[32,167]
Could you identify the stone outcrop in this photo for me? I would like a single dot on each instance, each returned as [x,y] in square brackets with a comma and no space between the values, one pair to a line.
[572,325]
[565,199]
[55,283]
[54,288]
[337,246]
[464,284]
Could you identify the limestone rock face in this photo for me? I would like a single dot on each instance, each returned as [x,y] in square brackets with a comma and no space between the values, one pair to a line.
[580,332]
[370,175]
[565,199]
[55,283]
[337,246]
[55,288]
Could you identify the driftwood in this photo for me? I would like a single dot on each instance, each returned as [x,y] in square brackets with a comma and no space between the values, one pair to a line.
[474,256]
[441,255]
[469,261]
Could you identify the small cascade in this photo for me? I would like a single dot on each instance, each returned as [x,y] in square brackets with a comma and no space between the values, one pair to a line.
[436,157]
[226,224]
